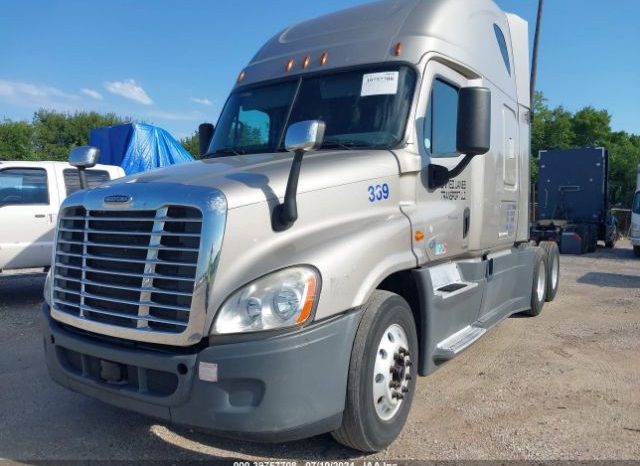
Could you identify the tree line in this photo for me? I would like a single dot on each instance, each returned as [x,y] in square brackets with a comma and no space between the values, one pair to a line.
[51,135]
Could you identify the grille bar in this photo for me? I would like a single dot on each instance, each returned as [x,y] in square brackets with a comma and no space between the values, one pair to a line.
[125,274]
[129,268]
[128,232]
[120,259]
[128,246]
[126,288]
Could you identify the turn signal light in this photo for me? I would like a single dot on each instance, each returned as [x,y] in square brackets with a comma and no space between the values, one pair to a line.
[289,66]
[306,62]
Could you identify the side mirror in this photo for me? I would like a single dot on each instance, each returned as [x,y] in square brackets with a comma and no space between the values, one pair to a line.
[84,157]
[474,121]
[304,136]
[205,134]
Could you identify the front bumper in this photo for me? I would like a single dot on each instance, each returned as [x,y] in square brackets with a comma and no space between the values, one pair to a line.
[278,388]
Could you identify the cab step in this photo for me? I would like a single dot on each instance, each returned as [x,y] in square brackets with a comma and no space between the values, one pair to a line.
[447,349]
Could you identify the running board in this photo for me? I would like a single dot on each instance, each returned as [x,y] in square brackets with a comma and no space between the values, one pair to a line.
[447,349]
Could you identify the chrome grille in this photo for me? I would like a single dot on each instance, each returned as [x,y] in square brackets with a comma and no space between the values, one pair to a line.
[133,268]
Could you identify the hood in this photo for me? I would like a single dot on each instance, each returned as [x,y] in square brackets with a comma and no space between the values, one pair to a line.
[253,178]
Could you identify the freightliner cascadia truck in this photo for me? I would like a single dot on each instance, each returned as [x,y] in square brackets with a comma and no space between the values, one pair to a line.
[359,218]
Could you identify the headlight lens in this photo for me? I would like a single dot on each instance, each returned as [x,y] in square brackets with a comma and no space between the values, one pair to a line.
[282,299]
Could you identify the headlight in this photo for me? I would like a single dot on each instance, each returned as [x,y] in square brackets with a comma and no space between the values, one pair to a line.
[282,299]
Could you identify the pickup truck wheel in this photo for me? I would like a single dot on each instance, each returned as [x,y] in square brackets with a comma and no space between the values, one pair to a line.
[636,251]
[539,285]
[553,268]
[382,374]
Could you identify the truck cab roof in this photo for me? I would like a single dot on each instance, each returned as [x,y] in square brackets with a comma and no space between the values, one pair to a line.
[370,33]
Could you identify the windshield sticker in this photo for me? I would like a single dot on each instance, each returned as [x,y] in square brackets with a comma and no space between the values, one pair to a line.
[385,83]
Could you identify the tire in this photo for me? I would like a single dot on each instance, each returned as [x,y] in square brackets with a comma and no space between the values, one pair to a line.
[636,251]
[553,268]
[609,244]
[365,425]
[539,285]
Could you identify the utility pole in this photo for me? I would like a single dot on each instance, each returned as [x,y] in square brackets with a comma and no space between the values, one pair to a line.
[534,60]
[534,70]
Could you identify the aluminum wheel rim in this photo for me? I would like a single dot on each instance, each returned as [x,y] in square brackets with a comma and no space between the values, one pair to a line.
[555,271]
[392,372]
[542,282]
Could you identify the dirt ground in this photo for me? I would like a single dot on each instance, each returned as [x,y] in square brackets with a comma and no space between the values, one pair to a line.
[564,385]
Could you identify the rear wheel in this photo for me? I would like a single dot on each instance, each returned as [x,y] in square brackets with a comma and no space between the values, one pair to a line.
[382,374]
[539,285]
[553,268]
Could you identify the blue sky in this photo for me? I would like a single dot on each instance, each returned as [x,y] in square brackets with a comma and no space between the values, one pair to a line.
[173,63]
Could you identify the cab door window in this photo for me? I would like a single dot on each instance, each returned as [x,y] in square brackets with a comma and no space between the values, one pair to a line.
[23,186]
[441,120]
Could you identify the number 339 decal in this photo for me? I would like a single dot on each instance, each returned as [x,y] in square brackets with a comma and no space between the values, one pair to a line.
[378,192]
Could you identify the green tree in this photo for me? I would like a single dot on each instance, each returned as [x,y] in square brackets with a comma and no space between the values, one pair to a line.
[16,140]
[55,134]
[591,127]
[192,144]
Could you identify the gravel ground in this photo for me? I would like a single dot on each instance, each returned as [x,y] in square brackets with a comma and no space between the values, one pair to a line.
[564,385]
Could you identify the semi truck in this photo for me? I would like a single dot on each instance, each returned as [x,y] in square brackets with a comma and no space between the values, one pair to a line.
[634,233]
[359,218]
[573,200]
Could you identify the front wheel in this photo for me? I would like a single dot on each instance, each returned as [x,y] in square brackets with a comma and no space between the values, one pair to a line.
[382,374]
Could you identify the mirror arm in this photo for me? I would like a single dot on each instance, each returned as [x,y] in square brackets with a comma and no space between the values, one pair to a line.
[83,178]
[285,214]
[440,176]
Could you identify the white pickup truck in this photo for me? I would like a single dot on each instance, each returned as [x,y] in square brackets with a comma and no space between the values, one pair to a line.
[30,196]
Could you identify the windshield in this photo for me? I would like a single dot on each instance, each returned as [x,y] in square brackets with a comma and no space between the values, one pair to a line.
[636,203]
[363,108]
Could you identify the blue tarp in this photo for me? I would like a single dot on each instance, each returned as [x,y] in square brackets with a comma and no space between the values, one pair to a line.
[137,147]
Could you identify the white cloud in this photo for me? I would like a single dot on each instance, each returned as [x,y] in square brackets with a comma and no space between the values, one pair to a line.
[202,101]
[92,93]
[18,90]
[129,89]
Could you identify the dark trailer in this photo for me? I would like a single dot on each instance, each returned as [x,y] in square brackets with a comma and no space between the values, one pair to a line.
[573,200]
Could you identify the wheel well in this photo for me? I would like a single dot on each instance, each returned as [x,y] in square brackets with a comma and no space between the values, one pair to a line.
[404,284]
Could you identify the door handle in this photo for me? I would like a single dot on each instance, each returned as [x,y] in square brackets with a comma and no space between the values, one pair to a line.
[40,215]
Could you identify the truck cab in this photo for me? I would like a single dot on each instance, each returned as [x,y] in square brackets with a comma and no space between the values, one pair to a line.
[359,218]
[30,197]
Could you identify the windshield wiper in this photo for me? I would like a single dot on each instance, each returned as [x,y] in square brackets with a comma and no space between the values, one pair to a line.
[224,151]
[348,145]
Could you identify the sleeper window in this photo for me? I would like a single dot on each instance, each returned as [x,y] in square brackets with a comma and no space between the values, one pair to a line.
[441,120]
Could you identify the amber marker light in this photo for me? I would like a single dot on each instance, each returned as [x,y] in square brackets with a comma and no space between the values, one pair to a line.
[324,58]
[306,62]
[289,66]
[308,302]
[419,235]
[241,76]
[397,50]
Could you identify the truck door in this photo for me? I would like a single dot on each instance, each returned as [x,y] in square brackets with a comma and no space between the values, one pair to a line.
[26,217]
[444,214]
